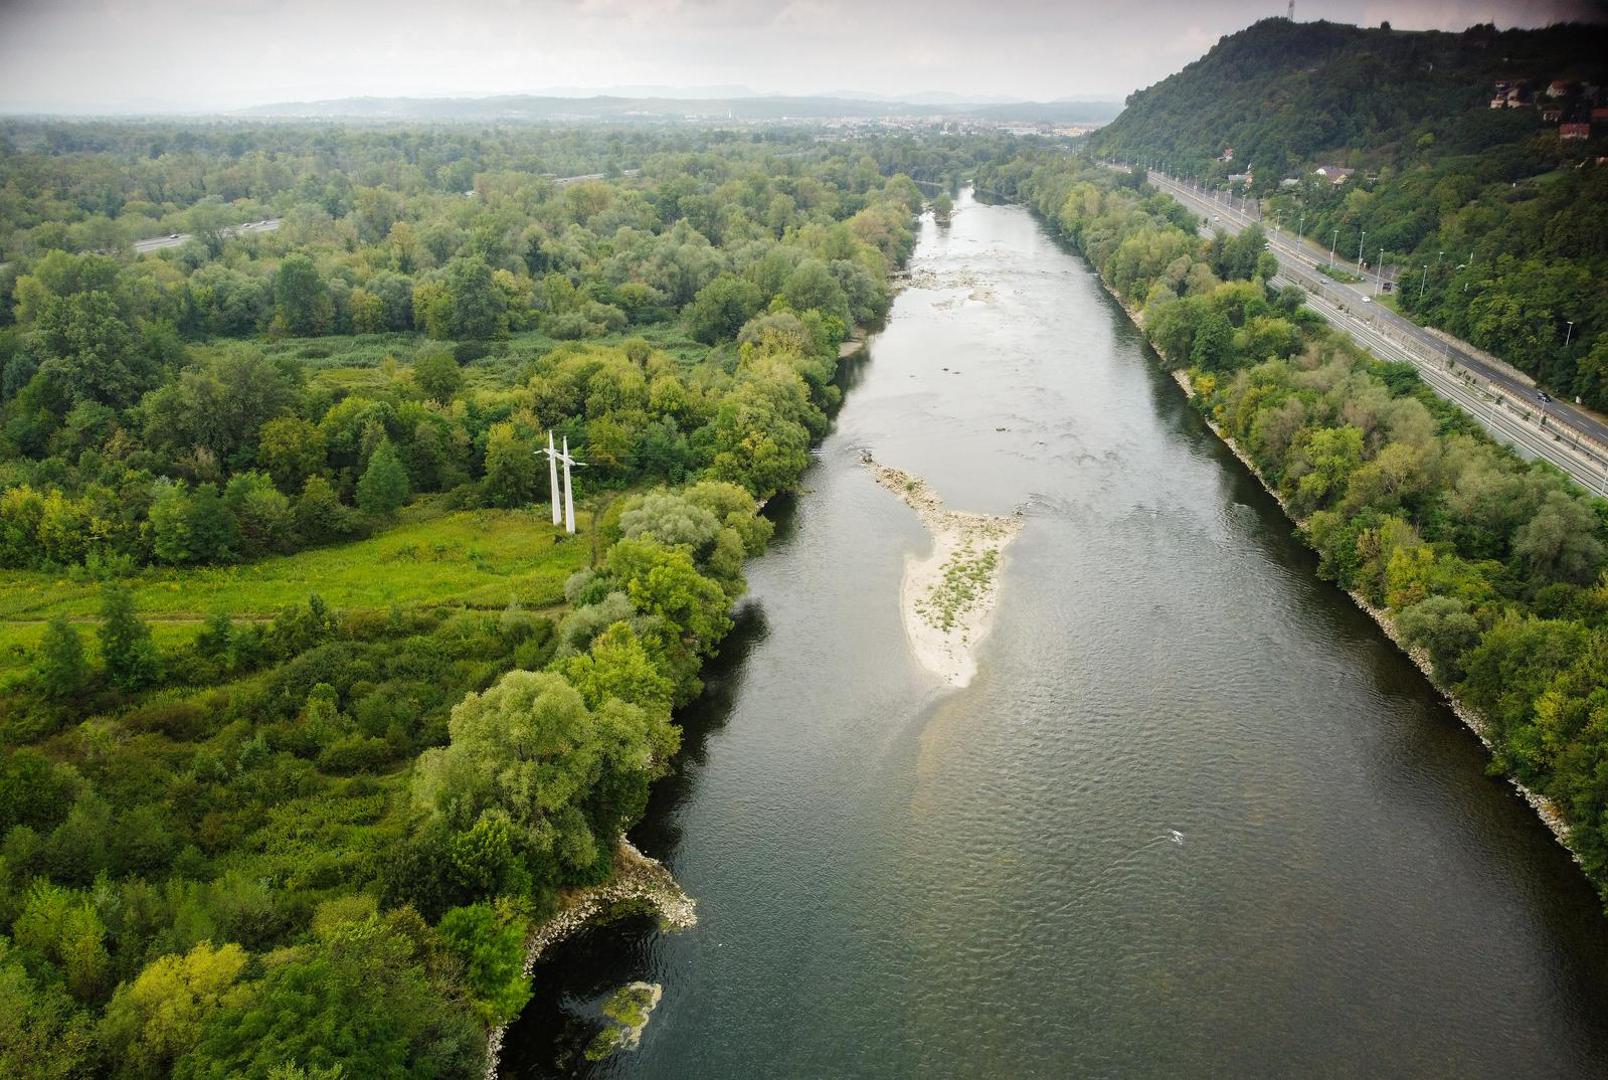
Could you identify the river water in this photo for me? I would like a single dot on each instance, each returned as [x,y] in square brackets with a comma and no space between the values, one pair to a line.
[895,880]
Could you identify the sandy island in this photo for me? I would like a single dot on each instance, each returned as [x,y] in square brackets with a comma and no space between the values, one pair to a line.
[948,597]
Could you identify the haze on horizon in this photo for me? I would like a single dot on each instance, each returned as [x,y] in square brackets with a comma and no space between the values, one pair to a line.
[102,56]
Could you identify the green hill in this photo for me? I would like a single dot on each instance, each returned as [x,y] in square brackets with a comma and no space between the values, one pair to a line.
[1285,95]
[1507,213]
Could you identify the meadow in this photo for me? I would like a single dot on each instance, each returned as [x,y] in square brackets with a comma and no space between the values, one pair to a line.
[471,559]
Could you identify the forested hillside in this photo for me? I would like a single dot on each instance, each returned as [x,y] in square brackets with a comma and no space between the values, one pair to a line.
[306,711]
[1508,215]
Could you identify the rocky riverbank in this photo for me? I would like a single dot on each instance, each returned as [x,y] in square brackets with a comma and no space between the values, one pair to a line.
[639,883]
[948,597]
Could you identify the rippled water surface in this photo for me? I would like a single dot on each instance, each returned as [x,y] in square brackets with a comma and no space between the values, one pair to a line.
[897,881]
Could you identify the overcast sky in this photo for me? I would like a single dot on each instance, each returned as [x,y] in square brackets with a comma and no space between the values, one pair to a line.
[203,55]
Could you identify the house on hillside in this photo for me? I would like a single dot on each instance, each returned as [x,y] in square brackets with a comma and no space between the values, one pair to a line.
[1335,174]
[1599,116]
[1510,95]
[1227,155]
[1551,116]
[1557,88]
[1574,131]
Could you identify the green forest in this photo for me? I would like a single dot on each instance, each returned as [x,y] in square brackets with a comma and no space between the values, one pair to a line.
[1495,225]
[1491,565]
[309,712]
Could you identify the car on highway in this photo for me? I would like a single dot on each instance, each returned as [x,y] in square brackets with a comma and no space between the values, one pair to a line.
[173,236]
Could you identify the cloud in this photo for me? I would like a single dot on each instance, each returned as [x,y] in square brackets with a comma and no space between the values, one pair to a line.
[220,54]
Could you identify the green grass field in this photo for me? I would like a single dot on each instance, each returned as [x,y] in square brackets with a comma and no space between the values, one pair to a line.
[471,559]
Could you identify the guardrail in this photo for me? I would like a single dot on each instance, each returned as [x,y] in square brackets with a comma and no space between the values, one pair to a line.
[1521,422]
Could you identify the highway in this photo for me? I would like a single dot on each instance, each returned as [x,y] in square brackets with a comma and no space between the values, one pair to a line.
[155,243]
[1502,400]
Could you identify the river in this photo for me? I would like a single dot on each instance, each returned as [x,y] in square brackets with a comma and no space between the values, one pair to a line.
[895,880]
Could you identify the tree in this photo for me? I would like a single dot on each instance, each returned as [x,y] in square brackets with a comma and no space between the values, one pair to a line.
[1443,627]
[261,512]
[722,307]
[1212,348]
[384,486]
[125,642]
[1332,455]
[42,1036]
[617,666]
[61,665]
[672,520]
[812,286]
[567,778]
[291,449]
[437,373]
[511,469]
[221,404]
[493,954]
[33,792]
[663,581]
[356,999]
[1560,543]
[88,347]
[155,1020]
[212,527]
[319,514]
[61,928]
[301,299]
[168,522]
[464,303]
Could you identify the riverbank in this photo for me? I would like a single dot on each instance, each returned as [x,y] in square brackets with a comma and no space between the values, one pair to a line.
[948,597]
[639,884]
[1545,808]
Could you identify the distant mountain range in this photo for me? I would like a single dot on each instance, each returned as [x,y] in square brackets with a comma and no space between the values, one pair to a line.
[692,104]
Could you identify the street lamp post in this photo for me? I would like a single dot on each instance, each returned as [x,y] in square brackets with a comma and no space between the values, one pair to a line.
[1333,240]
[1570,335]
[1360,240]
[1423,283]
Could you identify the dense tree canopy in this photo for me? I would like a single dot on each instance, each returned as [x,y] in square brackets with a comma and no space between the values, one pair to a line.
[312,842]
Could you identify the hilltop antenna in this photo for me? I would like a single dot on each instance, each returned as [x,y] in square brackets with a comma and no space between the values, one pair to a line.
[1291,15]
